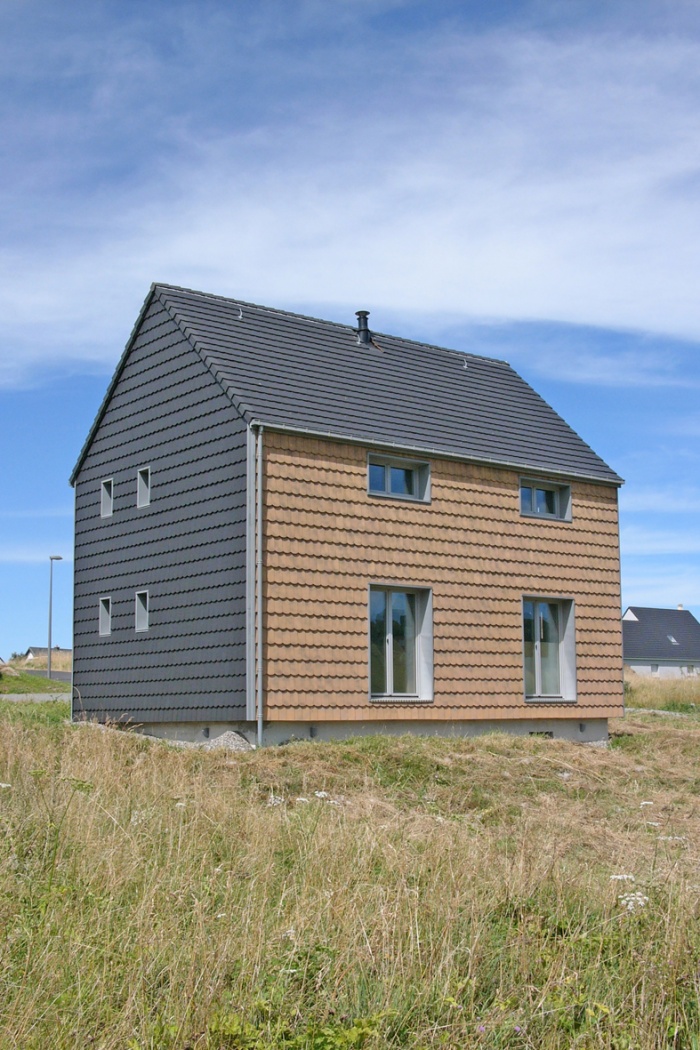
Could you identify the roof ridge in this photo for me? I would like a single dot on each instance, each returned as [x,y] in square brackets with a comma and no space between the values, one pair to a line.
[324,321]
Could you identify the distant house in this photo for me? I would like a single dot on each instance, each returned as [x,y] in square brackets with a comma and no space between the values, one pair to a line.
[663,642]
[34,652]
[297,528]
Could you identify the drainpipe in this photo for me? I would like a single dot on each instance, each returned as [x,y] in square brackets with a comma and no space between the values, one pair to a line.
[259,576]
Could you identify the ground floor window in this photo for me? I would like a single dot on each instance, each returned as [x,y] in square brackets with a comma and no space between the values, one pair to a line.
[549,648]
[401,649]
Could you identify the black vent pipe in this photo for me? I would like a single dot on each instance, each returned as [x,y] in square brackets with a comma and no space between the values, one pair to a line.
[364,336]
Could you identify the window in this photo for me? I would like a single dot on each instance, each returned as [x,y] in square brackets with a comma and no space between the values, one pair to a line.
[143,487]
[549,649]
[401,643]
[398,478]
[106,498]
[654,668]
[105,616]
[544,499]
[142,610]
[671,639]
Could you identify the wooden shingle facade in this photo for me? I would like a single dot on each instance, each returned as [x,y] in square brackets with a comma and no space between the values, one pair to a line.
[302,529]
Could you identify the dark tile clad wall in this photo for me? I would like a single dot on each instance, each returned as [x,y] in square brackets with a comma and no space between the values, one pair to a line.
[187,548]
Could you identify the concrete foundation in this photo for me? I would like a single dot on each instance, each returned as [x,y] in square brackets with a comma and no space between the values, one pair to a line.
[589,731]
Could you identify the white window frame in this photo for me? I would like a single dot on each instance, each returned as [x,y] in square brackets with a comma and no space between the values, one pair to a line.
[567,651]
[105,616]
[107,497]
[141,611]
[562,499]
[424,644]
[420,468]
[143,487]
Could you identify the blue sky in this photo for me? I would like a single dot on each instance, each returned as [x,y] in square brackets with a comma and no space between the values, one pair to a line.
[520,179]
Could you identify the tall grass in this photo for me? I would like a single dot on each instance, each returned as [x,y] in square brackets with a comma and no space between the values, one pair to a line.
[381,893]
[681,695]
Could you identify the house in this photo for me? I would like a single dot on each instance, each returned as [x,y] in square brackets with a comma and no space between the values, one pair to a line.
[297,528]
[35,652]
[661,642]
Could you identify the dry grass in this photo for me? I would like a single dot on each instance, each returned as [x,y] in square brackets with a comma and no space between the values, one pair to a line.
[440,894]
[59,662]
[681,695]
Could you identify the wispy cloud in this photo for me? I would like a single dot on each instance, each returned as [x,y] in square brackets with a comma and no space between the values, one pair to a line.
[499,173]
[11,554]
[645,540]
[663,588]
[667,500]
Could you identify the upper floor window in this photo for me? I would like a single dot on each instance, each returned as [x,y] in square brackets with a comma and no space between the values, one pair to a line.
[545,499]
[143,487]
[105,619]
[141,610]
[106,498]
[398,478]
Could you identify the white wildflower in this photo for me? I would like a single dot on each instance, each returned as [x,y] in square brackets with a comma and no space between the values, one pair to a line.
[321,794]
[180,805]
[301,799]
[673,838]
[221,915]
[275,800]
[645,804]
[653,823]
[622,878]
[633,901]
[5,787]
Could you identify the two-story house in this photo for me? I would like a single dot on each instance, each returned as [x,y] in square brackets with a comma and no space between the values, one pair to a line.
[296,528]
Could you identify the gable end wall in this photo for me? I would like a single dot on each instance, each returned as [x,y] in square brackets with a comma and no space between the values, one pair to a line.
[187,548]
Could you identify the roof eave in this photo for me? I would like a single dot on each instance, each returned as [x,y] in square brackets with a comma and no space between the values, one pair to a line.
[414,450]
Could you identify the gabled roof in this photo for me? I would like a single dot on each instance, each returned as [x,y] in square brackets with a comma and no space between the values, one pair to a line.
[649,635]
[292,372]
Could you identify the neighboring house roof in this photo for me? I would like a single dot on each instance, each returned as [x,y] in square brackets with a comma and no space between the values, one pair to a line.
[42,650]
[288,371]
[649,635]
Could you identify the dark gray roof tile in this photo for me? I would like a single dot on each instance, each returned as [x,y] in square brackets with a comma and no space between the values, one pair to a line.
[647,637]
[287,370]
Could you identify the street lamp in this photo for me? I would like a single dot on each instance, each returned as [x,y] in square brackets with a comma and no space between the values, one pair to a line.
[52,559]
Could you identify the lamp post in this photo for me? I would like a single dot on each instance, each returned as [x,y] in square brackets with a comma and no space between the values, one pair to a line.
[52,559]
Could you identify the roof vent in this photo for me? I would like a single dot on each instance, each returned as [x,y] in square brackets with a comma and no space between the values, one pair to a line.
[364,336]
[680,606]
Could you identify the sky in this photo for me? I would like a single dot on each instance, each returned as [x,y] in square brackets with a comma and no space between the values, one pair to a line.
[519,179]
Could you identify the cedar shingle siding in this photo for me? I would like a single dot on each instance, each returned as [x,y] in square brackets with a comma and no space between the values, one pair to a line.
[327,540]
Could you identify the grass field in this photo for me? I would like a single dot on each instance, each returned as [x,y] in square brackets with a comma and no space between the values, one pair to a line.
[29,683]
[496,892]
[681,695]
